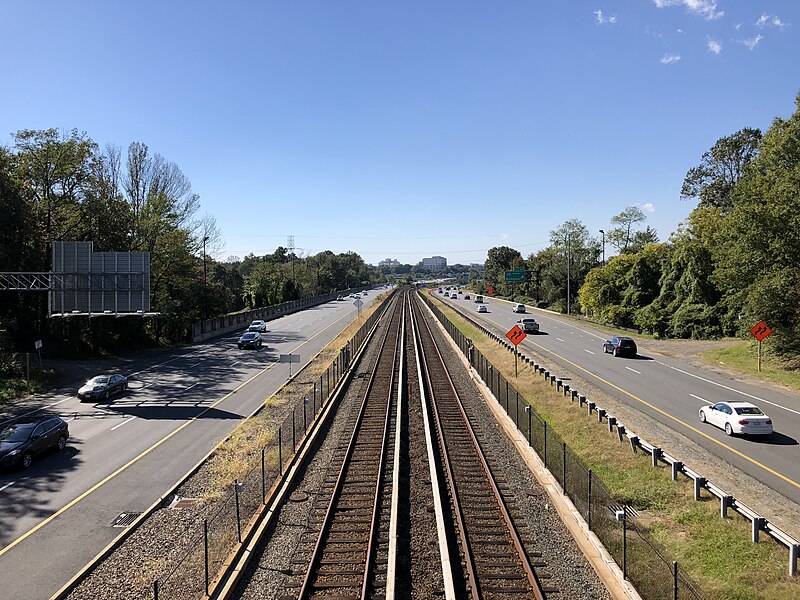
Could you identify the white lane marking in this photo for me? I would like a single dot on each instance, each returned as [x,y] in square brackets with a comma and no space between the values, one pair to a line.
[589,351]
[703,400]
[234,363]
[194,365]
[146,385]
[559,339]
[9,484]
[123,423]
[191,386]
[634,370]
[730,389]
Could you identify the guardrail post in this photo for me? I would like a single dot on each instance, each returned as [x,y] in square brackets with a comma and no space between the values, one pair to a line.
[620,431]
[590,406]
[794,550]
[566,389]
[758,524]
[724,503]
[601,412]
[573,395]
[699,482]
[677,466]
[656,455]
[205,549]
[581,400]
[238,517]
[634,442]
[559,383]
[611,422]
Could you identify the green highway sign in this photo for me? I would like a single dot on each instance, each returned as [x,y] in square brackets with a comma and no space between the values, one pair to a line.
[516,276]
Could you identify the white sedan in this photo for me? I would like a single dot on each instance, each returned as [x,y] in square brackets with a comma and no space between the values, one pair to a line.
[259,326]
[482,308]
[737,417]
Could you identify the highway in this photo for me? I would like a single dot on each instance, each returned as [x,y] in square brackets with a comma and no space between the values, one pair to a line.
[125,454]
[669,390]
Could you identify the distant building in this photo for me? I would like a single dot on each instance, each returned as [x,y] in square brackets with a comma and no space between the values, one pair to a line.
[434,262]
[389,262]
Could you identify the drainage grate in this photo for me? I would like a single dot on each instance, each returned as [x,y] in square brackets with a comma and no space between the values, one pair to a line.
[179,503]
[125,519]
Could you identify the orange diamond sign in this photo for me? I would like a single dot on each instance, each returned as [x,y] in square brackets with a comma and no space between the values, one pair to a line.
[760,330]
[516,335]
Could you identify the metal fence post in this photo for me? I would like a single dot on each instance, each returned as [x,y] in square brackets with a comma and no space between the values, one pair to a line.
[564,467]
[305,426]
[545,443]
[528,410]
[280,452]
[674,580]
[263,477]
[238,519]
[294,441]
[589,497]
[205,549]
[625,542]
[155,589]
[507,400]
[516,409]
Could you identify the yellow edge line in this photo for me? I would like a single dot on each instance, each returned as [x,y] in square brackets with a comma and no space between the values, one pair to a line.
[671,417]
[108,478]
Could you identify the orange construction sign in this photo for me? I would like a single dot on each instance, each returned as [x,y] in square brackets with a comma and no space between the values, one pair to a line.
[516,335]
[760,330]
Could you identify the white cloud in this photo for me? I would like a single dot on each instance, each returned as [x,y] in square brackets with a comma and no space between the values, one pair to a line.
[648,207]
[603,19]
[681,30]
[738,26]
[714,46]
[704,8]
[670,58]
[752,42]
[770,20]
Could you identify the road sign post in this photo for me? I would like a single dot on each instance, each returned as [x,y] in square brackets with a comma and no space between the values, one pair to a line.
[358,304]
[760,331]
[516,335]
[289,358]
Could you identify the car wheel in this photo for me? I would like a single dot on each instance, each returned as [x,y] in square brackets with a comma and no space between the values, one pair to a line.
[614,352]
[125,387]
[62,443]
[702,417]
[107,395]
[27,460]
[728,429]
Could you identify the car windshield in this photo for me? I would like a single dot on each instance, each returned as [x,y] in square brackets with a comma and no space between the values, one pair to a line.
[17,433]
[97,381]
[249,336]
[747,410]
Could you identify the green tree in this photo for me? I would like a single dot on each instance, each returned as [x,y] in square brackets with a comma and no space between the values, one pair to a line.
[712,182]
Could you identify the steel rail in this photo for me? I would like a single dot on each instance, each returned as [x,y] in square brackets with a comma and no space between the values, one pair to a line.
[308,580]
[510,528]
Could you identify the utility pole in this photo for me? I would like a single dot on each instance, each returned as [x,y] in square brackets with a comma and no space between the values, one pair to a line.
[290,248]
[569,260]
[205,280]
[603,233]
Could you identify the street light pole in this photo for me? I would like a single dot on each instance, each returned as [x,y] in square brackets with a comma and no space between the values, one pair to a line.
[603,233]
[205,280]
[569,260]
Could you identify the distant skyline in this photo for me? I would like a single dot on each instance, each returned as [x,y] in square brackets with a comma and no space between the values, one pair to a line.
[407,130]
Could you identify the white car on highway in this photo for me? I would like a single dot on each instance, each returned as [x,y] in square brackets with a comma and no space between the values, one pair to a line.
[737,417]
[259,326]
[482,308]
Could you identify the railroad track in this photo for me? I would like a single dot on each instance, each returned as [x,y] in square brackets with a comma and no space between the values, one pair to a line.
[353,545]
[495,562]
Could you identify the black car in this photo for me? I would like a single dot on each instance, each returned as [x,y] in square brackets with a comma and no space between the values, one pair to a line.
[23,440]
[620,346]
[250,339]
[103,387]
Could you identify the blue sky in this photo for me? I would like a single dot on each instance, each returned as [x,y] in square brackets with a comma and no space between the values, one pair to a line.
[408,129]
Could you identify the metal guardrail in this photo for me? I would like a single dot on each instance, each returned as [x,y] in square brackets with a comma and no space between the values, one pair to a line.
[727,501]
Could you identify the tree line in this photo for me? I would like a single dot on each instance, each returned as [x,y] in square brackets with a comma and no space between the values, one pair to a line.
[733,262]
[58,185]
